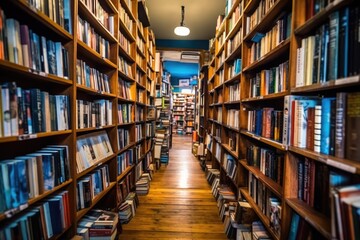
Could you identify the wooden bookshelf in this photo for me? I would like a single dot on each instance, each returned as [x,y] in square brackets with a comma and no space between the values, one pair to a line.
[28,78]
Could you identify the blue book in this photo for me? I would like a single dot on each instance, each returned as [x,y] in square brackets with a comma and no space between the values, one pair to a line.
[325,125]
[344,43]
[55,214]
[258,123]
[324,44]
[294,226]
[334,27]
[22,181]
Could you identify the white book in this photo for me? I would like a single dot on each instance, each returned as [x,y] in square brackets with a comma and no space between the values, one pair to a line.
[5,101]
[49,229]
[59,59]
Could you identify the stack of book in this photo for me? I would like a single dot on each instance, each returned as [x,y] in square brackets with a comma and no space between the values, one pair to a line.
[143,184]
[127,208]
[98,224]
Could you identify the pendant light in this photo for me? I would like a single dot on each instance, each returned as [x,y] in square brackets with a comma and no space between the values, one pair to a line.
[182,30]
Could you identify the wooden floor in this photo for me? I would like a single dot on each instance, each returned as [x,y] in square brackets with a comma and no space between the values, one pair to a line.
[180,204]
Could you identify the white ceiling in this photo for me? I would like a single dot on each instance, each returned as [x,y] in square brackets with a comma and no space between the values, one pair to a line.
[200,17]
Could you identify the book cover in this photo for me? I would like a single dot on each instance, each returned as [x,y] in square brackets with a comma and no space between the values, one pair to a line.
[352,126]
[326,104]
[295,219]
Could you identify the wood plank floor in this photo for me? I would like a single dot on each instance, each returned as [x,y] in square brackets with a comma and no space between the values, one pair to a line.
[180,204]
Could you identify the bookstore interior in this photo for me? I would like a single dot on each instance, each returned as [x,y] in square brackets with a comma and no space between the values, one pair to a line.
[88,115]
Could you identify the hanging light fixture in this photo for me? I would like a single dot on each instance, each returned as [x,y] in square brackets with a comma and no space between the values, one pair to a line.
[182,30]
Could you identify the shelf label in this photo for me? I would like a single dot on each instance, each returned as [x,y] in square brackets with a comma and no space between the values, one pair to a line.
[27,136]
[341,166]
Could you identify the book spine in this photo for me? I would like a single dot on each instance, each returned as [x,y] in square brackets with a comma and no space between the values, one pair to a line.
[317,128]
[325,125]
[352,126]
[333,46]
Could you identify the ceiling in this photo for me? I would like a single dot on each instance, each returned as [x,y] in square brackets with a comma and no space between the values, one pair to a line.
[200,17]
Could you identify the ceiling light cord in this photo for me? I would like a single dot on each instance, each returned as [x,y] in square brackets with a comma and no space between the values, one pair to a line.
[182,15]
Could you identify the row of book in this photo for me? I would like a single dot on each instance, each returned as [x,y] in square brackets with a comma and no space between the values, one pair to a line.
[124,161]
[140,44]
[217,152]
[29,111]
[92,148]
[125,112]
[124,187]
[138,133]
[124,90]
[264,43]
[125,67]
[330,53]
[93,114]
[91,77]
[235,42]
[21,45]
[326,125]
[91,185]
[58,11]
[230,165]
[235,68]
[232,118]
[87,34]
[104,17]
[234,92]
[98,224]
[124,17]
[232,141]
[46,220]
[269,205]
[267,161]
[139,114]
[150,130]
[266,122]
[125,43]
[235,16]
[255,17]
[127,209]
[28,176]
[269,81]
[123,138]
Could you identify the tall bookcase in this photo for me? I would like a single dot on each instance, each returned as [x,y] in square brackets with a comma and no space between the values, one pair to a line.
[293,77]
[95,63]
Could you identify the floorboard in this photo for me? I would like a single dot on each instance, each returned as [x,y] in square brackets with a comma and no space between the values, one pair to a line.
[180,204]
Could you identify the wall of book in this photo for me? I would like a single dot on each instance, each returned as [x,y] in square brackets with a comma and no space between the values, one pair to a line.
[178,113]
[75,116]
[281,132]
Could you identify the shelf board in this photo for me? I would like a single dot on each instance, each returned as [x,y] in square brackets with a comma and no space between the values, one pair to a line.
[140,85]
[270,142]
[124,54]
[94,201]
[268,18]
[127,9]
[34,200]
[340,163]
[94,92]
[263,218]
[130,145]
[232,102]
[234,54]
[95,23]
[33,136]
[270,184]
[271,56]
[125,100]
[228,149]
[329,85]
[93,129]
[266,97]
[43,19]
[125,77]
[33,74]
[222,65]
[94,56]
[95,165]
[125,172]
[231,128]
[141,53]
[235,29]
[323,16]
[319,221]
[218,87]
[126,31]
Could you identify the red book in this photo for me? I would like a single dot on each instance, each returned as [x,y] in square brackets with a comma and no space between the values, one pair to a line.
[310,129]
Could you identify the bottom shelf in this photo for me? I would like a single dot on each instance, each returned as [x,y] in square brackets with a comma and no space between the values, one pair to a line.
[263,218]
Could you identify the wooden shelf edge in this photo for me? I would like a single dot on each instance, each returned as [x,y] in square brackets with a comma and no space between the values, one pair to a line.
[343,164]
[319,221]
[228,149]
[266,97]
[95,55]
[270,142]
[34,136]
[92,129]
[94,201]
[332,84]
[94,91]
[125,172]
[263,218]
[94,166]
[271,184]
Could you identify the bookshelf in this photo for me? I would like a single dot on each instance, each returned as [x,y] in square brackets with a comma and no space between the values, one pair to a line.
[95,131]
[178,113]
[189,113]
[290,54]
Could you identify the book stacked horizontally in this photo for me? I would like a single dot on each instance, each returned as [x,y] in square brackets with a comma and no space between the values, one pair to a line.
[98,224]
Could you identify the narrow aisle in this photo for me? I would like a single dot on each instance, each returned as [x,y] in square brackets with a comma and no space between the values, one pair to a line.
[180,204]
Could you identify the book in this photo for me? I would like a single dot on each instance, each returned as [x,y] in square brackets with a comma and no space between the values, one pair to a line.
[334,29]
[326,104]
[352,126]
